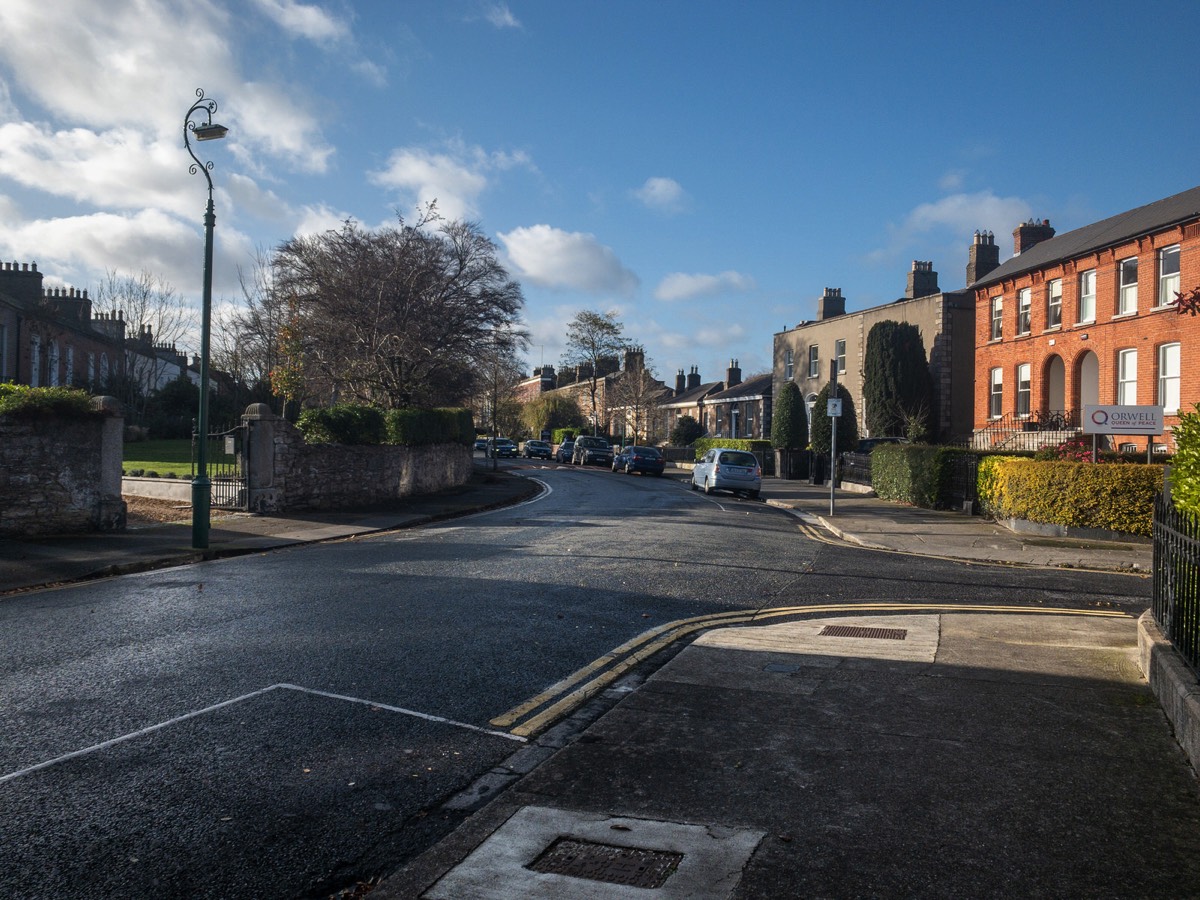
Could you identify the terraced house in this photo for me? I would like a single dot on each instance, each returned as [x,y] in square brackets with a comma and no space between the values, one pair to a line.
[1089,317]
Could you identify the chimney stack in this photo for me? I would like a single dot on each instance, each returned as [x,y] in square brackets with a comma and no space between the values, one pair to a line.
[733,375]
[983,256]
[830,305]
[922,280]
[693,379]
[1029,234]
[680,383]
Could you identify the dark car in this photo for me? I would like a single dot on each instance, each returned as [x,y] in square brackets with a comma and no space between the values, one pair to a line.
[647,460]
[502,448]
[593,451]
[481,443]
[537,450]
[564,452]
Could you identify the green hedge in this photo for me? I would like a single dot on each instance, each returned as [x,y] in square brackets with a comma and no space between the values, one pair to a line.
[352,424]
[913,473]
[22,401]
[703,445]
[564,434]
[1111,497]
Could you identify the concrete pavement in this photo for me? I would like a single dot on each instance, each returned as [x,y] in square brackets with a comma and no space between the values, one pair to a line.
[931,754]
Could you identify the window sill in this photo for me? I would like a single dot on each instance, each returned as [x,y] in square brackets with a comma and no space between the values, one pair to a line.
[1085,324]
[1126,315]
[1057,327]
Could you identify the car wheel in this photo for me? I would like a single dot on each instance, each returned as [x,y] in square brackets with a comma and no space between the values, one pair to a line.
[692,484]
[628,471]
[708,489]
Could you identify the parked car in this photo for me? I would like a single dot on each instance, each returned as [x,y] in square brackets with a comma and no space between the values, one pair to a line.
[480,443]
[502,448]
[564,452]
[590,450]
[537,450]
[648,460]
[866,445]
[725,469]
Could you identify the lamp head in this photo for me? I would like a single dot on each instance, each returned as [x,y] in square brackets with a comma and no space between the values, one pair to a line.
[210,132]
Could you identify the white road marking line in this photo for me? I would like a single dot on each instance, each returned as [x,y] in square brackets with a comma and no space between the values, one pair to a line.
[150,729]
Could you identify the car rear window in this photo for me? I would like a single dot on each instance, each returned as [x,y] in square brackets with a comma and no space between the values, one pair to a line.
[591,442]
[738,458]
[645,451]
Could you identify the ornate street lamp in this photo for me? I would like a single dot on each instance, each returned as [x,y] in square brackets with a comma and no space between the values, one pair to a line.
[198,123]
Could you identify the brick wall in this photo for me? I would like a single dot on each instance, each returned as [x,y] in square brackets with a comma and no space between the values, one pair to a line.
[1144,331]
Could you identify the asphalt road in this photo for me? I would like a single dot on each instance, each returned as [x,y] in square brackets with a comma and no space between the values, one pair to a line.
[287,724]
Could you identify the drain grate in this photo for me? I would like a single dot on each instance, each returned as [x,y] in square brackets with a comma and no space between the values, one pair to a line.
[863,631]
[603,862]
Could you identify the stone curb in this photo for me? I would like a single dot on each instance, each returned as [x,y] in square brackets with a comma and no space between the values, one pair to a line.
[1173,683]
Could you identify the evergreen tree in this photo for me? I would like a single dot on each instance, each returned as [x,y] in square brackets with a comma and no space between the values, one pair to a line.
[897,388]
[789,421]
[686,431]
[821,431]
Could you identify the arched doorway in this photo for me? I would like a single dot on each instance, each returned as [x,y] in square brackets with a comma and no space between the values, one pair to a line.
[1056,384]
[1088,380]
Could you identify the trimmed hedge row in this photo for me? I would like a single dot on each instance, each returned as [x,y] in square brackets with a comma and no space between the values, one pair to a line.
[1083,495]
[349,423]
[703,445]
[913,473]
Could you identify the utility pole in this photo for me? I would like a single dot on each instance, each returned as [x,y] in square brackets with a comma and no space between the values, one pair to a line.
[835,412]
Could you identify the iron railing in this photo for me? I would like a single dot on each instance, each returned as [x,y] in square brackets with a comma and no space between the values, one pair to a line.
[1176,594]
[1033,431]
[226,467]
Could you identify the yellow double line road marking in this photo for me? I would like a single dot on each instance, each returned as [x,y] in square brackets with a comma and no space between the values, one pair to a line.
[564,696]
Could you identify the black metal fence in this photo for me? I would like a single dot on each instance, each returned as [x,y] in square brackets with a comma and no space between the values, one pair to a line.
[1176,606]
[226,467]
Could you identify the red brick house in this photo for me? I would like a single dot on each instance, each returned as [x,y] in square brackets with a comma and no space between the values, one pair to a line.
[1088,317]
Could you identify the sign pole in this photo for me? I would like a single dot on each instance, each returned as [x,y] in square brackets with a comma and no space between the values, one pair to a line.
[833,396]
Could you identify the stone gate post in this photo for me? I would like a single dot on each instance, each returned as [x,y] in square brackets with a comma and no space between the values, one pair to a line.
[262,491]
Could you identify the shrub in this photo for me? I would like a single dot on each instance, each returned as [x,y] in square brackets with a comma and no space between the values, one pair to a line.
[419,427]
[703,445]
[789,422]
[564,434]
[1185,467]
[685,432]
[911,473]
[22,401]
[1108,497]
[820,429]
[342,424]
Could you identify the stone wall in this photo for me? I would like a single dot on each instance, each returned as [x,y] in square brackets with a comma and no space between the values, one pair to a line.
[285,473]
[61,474]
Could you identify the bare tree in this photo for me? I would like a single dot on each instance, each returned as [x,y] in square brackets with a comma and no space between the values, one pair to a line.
[157,318]
[593,338]
[400,316]
[633,398]
[499,371]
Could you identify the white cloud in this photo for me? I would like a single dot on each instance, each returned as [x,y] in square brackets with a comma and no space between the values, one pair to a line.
[554,258]
[680,286]
[319,219]
[957,216]
[303,20]
[953,180]
[501,16]
[663,195]
[455,177]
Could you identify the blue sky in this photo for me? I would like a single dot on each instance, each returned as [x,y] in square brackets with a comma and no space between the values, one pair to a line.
[704,169]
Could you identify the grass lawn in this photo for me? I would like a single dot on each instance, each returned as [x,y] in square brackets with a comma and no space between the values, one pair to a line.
[165,457]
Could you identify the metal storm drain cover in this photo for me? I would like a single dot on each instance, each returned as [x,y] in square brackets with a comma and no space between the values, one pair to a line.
[604,862]
[862,631]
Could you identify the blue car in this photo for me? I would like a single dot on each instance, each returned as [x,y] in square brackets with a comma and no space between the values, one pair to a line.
[647,460]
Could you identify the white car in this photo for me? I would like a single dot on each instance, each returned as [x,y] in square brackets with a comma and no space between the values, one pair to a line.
[726,469]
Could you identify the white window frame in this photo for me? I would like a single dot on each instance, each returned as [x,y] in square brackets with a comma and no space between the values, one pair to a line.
[1024,390]
[1127,378]
[789,365]
[1087,296]
[996,326]
[1127,287]
[1168,282]
[996,394]
[814,361]
[1054,303]
[839,351]
[1168,377]
[1024,310]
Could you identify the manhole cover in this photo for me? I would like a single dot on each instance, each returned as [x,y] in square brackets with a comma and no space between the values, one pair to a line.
[863,631]
[604,862]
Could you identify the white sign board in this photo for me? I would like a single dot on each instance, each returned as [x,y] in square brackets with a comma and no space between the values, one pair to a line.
[834,407]
[1122,420]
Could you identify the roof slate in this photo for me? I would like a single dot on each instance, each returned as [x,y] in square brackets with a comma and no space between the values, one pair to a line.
[1117,229]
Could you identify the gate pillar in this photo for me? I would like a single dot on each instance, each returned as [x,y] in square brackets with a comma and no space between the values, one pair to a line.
[262,493]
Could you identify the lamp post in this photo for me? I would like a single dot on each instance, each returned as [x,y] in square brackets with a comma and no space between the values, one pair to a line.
[198,123]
